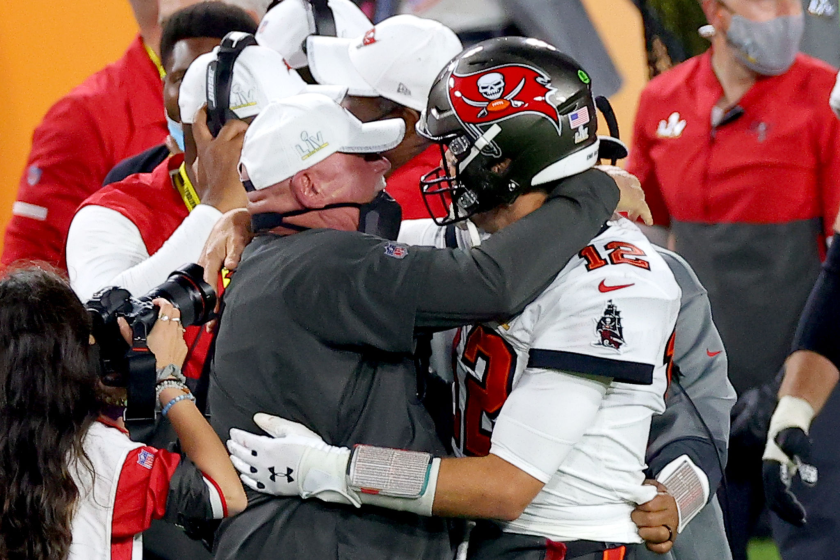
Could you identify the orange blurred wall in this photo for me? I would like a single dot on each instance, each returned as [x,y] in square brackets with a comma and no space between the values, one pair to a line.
[46,48]
[619,25]
[71,40]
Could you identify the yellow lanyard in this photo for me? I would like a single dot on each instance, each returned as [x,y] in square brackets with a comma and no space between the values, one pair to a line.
[155,60]
[184,187]
[190,197]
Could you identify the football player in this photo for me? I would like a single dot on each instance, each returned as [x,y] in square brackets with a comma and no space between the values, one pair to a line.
[552,408]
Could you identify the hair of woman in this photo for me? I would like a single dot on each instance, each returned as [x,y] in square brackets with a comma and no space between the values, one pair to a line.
[49,396]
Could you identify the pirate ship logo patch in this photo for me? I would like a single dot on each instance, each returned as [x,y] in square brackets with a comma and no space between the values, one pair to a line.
[609,330]
[502,92]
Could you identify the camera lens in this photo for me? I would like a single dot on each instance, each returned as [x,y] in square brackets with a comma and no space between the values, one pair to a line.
[186,289]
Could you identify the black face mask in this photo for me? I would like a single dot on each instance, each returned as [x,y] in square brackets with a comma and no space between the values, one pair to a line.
[380,217]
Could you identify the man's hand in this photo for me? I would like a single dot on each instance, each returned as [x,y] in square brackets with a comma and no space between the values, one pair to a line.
[223,249]
[657,520]
[295,461]
[788,453]
[632,201]
[217,163]
[225,245]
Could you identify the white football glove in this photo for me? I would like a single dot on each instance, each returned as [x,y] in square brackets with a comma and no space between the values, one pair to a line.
[834,99]
[295,461]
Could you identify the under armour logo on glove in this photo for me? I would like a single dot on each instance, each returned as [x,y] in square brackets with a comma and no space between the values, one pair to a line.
[288,475]
[779,475]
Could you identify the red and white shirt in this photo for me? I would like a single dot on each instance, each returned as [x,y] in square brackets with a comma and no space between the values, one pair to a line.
[125,486]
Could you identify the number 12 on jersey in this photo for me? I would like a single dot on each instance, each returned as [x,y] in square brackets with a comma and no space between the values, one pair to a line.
[618,252]
[489,364]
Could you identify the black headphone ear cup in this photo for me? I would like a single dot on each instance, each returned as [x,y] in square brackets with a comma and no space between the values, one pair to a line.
[324,18]
[220,79]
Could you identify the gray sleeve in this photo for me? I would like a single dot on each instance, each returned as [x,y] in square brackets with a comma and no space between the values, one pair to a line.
[702,389]
[497,279]
[359,290]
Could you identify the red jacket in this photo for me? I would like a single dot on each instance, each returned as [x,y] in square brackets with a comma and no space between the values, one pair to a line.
[151,202]
[748,201]
[114,114]
[776,163]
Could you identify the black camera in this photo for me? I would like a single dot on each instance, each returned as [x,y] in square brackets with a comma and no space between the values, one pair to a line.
[120,362]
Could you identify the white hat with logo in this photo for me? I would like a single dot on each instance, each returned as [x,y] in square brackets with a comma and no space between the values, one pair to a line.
[259,77]
[294,134]
[398,59]
[286,26]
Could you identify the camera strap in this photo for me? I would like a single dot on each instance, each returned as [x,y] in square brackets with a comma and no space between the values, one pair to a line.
[142,376]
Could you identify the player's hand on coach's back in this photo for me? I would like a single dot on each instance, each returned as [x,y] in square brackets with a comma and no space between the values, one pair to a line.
[632,201]
[217,163]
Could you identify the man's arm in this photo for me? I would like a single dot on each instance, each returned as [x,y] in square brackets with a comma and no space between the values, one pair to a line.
[553,409]
[696,420]
[498,278]
[66,165]
[104,248]
[811,373]
[379,292]
[539,424]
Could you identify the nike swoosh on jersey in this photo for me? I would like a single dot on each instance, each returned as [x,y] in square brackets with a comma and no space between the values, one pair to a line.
[712,354]
[603,288]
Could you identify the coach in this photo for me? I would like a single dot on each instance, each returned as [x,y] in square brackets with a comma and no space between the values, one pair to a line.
[320,317]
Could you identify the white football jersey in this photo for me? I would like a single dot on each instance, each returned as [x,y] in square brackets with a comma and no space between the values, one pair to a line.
[609,315]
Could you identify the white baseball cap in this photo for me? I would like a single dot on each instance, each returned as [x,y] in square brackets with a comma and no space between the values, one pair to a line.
[259,77]
[398,59]
[294,134]
[286,26]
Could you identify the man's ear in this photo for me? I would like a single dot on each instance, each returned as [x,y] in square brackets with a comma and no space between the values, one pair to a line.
[305,189]
[712,10]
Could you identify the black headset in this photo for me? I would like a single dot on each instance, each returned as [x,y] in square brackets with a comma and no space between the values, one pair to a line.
[220,79]
[323,16]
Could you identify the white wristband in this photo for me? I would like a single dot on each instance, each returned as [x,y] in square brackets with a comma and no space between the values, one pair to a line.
[689,486]
[791,412]
[421,505]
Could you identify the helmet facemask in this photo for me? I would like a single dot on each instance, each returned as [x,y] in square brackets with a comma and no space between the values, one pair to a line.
[446,190]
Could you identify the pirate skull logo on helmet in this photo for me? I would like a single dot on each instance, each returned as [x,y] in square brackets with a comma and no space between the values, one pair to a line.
[491,85]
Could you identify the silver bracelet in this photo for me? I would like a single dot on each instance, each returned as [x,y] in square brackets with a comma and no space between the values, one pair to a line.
[169,384]
[170,371]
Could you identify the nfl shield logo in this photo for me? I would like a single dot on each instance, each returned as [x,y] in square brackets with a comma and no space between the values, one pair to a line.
[396,251]
[145,459]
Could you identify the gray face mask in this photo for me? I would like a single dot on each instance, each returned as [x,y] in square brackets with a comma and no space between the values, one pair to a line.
[768,47]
